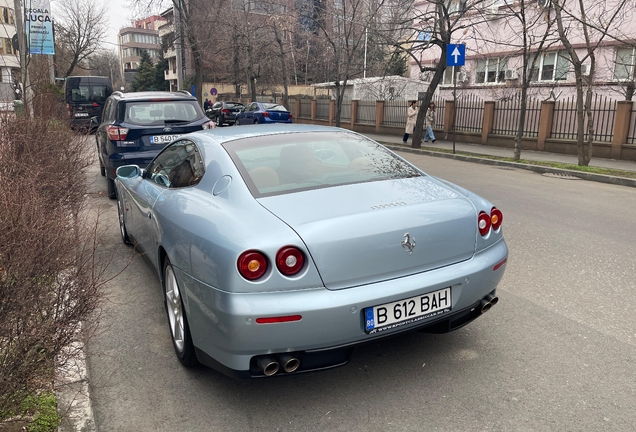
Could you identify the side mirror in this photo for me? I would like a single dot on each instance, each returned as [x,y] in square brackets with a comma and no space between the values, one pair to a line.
[129,171]
[94,121]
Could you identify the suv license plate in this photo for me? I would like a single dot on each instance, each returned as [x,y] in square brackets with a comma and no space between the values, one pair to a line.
[163,139]
[407,311]
[81,114]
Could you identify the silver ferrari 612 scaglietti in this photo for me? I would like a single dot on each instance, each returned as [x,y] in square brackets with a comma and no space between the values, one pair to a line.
[281,247]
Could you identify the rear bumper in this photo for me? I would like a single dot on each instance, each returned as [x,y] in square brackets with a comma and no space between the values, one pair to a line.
[228,339]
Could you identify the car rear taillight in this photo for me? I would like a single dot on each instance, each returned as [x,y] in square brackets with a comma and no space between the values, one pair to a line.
[291,117]
[116,133]
[496,218]
[483,222]
[225,111]
[265,114]
[95,104]
[252,264]
[289,260]
[68,110]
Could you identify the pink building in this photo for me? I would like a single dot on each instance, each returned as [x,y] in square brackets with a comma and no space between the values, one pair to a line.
[494,47]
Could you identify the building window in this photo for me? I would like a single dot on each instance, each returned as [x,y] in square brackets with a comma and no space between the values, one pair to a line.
[491,70]
[7,47]
[455,6]
[448,74]
[6,16]
[624,69]
[260,7]
[551,66]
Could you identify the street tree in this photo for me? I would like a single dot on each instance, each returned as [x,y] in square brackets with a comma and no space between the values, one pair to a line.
[533,29]
[344,25]
[424,34]
[587,24]
[80,28]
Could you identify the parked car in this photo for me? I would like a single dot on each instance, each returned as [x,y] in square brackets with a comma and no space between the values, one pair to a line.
[136,126]
[85,97]
[282,247]
[224,112]
[263,112]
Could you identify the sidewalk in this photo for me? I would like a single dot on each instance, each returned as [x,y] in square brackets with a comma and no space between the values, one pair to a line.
[478,149]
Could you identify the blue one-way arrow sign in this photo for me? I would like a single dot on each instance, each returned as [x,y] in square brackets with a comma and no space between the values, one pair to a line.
[455,55]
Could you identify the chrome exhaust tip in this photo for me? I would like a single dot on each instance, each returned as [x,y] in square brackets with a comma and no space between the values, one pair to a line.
[493,299]
[289,362]
[485,306]
[268,365]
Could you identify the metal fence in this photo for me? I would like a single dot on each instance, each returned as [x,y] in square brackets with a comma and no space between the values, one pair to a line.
[345,111]
[322,109]
[565,120]
[395,112]
[305,108]
[470,114]
[631,135]
[366,112]
[508,113]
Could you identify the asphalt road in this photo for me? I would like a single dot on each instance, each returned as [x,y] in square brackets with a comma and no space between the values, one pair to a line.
[558,353]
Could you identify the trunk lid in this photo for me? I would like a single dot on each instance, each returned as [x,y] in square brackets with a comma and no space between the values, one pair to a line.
[357,234]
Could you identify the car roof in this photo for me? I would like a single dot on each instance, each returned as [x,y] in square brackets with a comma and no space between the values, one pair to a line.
[147,95]
[228,134]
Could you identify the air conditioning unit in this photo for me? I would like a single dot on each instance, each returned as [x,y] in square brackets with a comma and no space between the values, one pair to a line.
[426,76]
[585,70]
[543,3]
[511,74]
[492,10]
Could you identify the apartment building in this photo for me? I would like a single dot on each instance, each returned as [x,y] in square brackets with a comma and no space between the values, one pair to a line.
[9,61]
[142,35]
[494,62]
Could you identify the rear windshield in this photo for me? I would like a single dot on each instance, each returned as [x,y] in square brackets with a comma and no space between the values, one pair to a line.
[233,105]
[90,93]
[160,112]
[273,107]
[278,164]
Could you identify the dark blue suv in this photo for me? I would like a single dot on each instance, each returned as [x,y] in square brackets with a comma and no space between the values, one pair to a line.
[135,127]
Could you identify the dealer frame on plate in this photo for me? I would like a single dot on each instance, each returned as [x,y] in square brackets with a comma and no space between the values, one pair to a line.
[406,311]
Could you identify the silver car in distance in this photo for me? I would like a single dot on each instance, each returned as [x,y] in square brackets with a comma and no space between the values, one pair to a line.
[281,247]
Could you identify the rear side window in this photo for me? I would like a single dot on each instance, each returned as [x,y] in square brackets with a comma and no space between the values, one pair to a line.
[160,112]
[89,93]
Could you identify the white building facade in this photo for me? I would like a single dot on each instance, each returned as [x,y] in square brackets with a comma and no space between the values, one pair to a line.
[9,60]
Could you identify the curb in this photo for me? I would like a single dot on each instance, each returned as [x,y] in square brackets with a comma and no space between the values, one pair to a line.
[600,178]
[73,396]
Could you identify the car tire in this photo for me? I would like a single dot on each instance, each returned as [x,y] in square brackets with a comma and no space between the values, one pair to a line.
[110,188]
[102,170]
[177,320]
[256,121]
[122,223]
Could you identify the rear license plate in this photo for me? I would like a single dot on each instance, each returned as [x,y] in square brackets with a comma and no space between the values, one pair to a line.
[81,114]
[407,311]
[163,139]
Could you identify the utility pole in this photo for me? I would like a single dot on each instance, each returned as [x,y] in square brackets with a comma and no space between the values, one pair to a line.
[24,71]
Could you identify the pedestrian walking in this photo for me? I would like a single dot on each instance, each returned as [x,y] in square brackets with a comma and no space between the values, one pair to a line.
[206,104]
[429,122]
[411,118]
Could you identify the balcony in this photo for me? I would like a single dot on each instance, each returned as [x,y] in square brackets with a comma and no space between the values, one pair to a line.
[170,53]
[165,29]
[170,74]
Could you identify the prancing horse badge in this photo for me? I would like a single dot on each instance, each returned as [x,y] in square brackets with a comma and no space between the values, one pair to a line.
[408,243]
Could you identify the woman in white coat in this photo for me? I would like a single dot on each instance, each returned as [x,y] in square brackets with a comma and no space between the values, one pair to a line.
[411,118]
